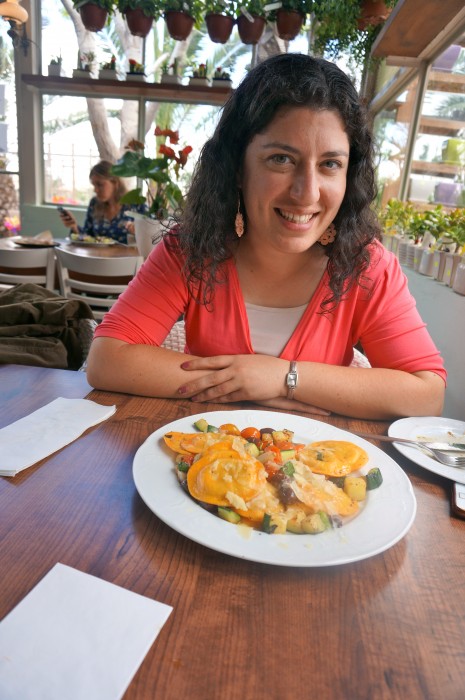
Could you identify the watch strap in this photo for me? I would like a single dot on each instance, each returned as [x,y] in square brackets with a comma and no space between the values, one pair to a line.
[292,379]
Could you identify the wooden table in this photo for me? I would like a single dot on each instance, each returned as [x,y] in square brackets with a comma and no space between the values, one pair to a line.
[388,627]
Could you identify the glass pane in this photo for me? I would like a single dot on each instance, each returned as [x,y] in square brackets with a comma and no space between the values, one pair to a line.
[9,181]
[438,167]
[69,144]
[391,128]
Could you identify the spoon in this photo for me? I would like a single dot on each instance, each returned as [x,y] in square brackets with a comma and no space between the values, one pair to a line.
[449,457]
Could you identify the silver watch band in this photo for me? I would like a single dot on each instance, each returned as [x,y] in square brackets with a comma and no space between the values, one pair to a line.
[291,379]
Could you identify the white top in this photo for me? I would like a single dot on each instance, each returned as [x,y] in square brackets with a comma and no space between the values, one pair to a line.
[271,328]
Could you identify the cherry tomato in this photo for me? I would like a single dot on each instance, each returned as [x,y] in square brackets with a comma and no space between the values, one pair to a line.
[271,468]
[275,451]
[285,445]
[230,429]
[250,434]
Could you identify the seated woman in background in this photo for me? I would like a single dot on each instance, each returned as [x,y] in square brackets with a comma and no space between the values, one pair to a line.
[276,266]
[105,215]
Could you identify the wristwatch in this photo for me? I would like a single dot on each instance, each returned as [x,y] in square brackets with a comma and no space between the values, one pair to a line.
[291,380]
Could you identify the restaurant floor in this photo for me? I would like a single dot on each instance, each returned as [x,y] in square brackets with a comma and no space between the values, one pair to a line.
[443,310]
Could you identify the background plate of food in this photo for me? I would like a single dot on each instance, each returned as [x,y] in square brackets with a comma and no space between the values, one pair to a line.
[382,519]
[432,429]
[90,240]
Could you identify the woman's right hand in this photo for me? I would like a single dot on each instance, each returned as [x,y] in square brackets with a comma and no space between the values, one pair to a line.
[69,221]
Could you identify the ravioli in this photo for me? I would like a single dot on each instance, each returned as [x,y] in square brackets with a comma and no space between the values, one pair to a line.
[333,457]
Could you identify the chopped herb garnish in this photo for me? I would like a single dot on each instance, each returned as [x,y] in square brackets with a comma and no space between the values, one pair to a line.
[288,468]
[267,525]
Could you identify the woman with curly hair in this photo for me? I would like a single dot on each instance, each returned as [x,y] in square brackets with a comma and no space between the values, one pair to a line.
[276,267]
[105,215]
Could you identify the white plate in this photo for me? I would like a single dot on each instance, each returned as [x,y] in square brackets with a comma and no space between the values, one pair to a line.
[413,428]
[33,243]
[386,517]
[99,244]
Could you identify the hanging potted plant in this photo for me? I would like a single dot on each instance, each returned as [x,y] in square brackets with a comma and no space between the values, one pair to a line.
[372,13]
[251,21]
[139,15]
[180,17]
[219,19]
[94,13]
[290,17]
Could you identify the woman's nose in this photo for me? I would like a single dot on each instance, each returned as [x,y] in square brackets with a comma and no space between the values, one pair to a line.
[306,186]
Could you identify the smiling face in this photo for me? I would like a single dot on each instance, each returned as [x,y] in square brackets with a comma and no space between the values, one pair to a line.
[294,178]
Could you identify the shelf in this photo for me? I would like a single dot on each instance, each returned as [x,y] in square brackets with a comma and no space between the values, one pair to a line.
[441,169]
[413,25]
[446,82]
[127,89]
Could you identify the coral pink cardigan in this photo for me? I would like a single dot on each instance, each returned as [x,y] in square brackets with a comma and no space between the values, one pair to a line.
[382,317]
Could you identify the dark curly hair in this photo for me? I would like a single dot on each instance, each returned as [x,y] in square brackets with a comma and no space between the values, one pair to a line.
[206,231]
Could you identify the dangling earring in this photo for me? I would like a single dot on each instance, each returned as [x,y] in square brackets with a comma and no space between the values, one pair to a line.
[328,236]
[239,220]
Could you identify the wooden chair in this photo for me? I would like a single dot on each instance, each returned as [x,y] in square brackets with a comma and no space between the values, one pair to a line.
[27,265]
[98,281]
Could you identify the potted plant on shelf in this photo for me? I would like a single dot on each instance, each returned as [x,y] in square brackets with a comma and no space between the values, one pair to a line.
[136,71]
[181,16]
[108,70]
[161,193]
[221,78]
[85,65]
[94,13]
[251,21]
[139,15]
[199,76]
[219,19]
[170,73]
[54,67]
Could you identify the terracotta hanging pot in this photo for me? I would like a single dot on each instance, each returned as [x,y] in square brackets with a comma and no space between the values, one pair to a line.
[250,32]
[138,23]
[219,27]
[372,13]
[289,23]
[178,24]
[93,17]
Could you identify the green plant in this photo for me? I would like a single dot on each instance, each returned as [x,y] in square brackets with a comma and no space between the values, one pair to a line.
[456,226]
[336,29]
[162,194]
[221,74]
[396,216]
[150,8]
[194,8]
[109,65]
[253,7]
[85,60]
[220,7]
[56,61]
[108,5]
[135,67]
[200,70]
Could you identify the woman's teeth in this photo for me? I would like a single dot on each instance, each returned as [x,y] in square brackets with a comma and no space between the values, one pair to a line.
[296,218]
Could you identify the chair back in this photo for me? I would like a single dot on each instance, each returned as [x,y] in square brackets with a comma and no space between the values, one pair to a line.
[99,281]
[27,265]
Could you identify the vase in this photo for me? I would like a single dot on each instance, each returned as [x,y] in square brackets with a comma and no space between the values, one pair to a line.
[289,23]
[107,74]
[138,22]
[439,260]
[148,234]
[250,32]
[221,83]
[219,27]
[171,79]
[199,82]
[178,24]
[459,281]
[417,257]
[450,268]
[410,257]
[54,69]
[93,17]
[136,76]
[402,251]
[372,13]
[81,73]
[426,263]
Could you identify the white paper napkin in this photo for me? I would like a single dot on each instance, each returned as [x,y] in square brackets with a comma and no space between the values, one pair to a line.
[47,430]
[75,637]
